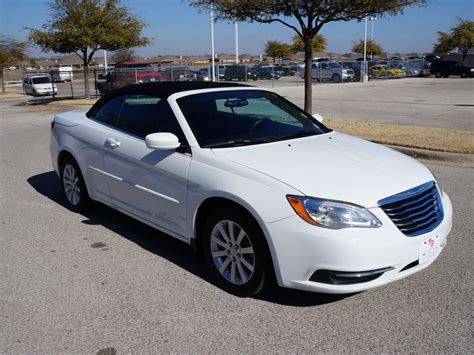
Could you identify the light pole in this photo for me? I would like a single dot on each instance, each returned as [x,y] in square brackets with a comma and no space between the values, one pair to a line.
[213,69]
[105,61]
[365,77]
[372,19]
[236,25]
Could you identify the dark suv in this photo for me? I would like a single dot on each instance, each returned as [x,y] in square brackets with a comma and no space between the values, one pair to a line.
[239,72]
[445,68]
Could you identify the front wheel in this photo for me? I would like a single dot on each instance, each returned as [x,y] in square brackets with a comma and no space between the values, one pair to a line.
[463,75]
[73,186]
[236,252]
[438,75]
[336,78]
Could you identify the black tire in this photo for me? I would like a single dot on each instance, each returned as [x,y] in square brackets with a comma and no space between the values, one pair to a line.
[463,75]
[84,201]
[438,75]
[263,270]
[336,78]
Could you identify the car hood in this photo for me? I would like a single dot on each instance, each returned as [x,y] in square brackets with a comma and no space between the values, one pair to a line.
[333,166]
[43,86]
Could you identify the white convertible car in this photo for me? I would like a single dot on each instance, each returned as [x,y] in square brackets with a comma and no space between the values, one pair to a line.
[258,186]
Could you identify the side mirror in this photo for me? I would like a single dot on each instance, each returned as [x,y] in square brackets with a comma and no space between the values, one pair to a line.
[162,141]
[318,117]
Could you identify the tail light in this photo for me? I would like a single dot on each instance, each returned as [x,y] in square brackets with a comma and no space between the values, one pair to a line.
[53,123]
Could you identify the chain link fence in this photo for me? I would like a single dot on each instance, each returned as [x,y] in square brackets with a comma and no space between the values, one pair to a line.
[68,83]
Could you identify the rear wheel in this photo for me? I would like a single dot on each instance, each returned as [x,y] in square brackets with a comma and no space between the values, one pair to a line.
[236,252]
[463,75]
[73,186]
[438,75]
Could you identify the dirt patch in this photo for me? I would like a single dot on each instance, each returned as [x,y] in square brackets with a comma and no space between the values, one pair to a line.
[11,96]
[436,139]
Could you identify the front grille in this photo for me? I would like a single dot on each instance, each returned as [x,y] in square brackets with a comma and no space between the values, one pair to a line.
[415,211]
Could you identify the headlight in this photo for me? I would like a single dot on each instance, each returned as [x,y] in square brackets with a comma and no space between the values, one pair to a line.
[332,214]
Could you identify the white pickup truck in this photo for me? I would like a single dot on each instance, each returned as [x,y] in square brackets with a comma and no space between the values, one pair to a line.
[329,71]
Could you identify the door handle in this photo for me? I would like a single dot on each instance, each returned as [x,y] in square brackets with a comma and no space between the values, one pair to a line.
[113,142]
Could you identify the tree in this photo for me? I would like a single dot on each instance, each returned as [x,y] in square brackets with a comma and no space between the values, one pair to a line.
[277,49]
[373,48]
[33,63]
[11,53]
[85,26]
[319,44]
[123,55]
[305,17]
[460,37]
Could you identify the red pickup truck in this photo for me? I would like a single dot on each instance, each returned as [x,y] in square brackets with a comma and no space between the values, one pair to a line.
[126,73]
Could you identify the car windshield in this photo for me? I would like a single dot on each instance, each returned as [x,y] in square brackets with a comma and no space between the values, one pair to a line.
[42,80]
[142,65]
[334,65]
[244,117]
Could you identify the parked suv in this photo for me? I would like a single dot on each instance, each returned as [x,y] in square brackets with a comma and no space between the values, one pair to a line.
[330,71]
[39,85]
[445,68]
[266,72]
[238,72]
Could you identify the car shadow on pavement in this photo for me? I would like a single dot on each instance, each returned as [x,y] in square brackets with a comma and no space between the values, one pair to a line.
[165,246]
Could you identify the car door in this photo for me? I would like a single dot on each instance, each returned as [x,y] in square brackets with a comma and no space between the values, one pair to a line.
[93,132]
[27,86]
[150,184]
[458,68]
[315,72]
[325,71]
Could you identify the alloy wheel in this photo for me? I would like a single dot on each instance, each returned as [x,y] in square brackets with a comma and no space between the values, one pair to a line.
[71,184]
[232,252]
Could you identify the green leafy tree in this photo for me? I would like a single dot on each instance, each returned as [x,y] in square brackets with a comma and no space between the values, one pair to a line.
[85,26]
[12,52]
[373,48]
[123,55]
[276,49]
[460,37]
[33,63]
[305,17]
[319,44]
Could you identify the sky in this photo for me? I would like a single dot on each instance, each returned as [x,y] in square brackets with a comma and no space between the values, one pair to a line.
[176,28]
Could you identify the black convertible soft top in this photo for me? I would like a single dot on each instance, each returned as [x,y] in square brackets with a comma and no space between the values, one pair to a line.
[159,89]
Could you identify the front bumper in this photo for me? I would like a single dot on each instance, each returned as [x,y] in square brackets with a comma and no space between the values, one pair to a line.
[300,249]
[348,77]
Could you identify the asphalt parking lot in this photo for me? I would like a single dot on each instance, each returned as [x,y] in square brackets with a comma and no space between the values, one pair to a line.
[75,283]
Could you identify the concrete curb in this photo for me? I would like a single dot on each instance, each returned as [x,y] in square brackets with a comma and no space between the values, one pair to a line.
[457,158]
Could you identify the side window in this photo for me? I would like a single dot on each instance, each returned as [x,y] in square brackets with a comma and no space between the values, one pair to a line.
[142,115]
[325,66]
[109,113]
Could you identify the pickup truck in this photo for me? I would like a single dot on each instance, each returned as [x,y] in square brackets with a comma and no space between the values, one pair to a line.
[329,71]
[126,73]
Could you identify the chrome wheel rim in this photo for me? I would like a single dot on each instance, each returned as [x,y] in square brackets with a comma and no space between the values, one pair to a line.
[232,252]
[71,184]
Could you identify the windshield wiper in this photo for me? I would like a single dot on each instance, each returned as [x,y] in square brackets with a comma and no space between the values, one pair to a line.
[236,143]
[297,134]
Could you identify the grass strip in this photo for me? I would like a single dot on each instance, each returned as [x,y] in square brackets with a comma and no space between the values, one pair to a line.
[435,139]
